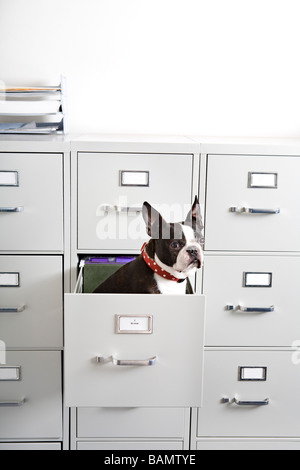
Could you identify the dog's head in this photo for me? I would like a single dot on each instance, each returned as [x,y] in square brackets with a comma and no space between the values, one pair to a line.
[176,245]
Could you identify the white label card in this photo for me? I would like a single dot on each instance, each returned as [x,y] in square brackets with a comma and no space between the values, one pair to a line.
[9,178]
[134,324]
[9,280]
[253,373]
[257,279]
[134,178]
[10,373]
[263,180]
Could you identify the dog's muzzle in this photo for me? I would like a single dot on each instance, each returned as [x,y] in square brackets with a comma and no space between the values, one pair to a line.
[195,255]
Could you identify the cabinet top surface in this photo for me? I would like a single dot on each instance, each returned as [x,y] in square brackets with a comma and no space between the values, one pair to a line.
[135,143]
[31,143]
[151,143]
[248,145]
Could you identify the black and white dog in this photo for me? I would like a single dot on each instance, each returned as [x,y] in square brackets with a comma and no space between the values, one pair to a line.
[171,255]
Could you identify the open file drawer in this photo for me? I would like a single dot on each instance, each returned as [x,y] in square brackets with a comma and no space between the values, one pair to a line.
[124,350]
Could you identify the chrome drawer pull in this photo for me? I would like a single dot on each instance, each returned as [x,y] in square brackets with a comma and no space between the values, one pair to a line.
[12,309]
[13,402]
[126,362]
[241,308]
[11,209]
[128,209]
[238,402]
[111,208]
[249,210]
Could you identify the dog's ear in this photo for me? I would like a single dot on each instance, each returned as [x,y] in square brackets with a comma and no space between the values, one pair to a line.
[154,221]
[194,218]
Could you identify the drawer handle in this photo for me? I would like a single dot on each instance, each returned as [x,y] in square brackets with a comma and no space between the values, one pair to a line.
[126,362]
[111,208]
[238,402]
[241,308]
[11,209]
[249,210]
[13,402]
[19,309]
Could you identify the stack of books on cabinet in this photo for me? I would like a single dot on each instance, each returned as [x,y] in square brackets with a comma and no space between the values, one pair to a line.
[33,110]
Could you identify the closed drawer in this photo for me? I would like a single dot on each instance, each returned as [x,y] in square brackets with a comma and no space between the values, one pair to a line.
[31,301]
[113,187]
[130,445]
[31,202]
[252,203]
[31,401]
[30,446]
[150,356]
[277,382]
[132,422]
[248,444]
[257,301]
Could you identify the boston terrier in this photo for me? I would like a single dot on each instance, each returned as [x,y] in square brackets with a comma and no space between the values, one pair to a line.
[172,254]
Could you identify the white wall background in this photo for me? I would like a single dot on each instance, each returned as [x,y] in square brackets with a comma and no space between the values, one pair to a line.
[210,67]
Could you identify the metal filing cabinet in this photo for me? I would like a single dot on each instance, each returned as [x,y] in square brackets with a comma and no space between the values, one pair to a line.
[117,406]
[250,279]
[32,244]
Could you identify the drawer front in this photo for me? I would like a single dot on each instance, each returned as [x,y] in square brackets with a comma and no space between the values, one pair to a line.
[257,301]
[248,444]
[31,301]
[30,446]
[130,445]
[132,422]
[252,203]
[31,202]
[277,379]
[166,367]
[31,406]
[108,184]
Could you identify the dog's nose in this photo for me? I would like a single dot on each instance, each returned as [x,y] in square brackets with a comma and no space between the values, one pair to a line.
[193,251]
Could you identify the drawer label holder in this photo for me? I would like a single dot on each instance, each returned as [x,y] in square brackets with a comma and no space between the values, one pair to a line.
[9,279]
[257,279]
[9,178]
[10,373]
[262,180]
[253,373]
[134,324]
[134,178]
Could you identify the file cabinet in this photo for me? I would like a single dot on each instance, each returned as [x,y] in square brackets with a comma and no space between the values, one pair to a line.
[135,407]
[249,196]
[250,280]
[33,275]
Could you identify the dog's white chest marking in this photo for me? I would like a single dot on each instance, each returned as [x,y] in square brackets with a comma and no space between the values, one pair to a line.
[170,287]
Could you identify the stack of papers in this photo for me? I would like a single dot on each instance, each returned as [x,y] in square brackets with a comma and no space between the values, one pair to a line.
[28,128]
[31,106]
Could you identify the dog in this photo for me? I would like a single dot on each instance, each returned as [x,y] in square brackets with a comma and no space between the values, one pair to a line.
[172,254]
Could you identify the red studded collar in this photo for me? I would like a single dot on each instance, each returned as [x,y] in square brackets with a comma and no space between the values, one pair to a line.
[155,267]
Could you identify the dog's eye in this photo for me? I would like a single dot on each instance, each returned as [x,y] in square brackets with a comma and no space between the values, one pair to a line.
[175,244]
